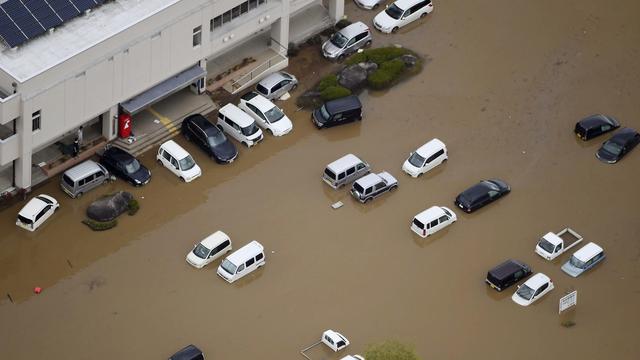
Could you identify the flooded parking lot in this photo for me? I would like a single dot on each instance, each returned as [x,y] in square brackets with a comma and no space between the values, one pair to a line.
[503,86]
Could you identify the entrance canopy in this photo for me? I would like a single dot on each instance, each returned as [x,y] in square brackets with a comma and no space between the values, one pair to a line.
[163,90]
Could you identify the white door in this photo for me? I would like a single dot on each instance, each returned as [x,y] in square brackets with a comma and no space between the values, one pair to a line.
[434,160]
[42,216]
[258,116]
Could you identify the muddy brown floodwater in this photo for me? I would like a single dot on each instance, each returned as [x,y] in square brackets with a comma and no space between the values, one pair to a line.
[503,87]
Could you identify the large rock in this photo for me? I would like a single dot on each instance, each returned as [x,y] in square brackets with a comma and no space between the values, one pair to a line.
[109,207]
[409,60]
[354,77]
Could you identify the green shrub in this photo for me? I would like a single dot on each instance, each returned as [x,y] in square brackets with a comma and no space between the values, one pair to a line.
[133,206]
[378,55]
[386,75]
[390,350]
[329,80]
[100,225]
[334,92]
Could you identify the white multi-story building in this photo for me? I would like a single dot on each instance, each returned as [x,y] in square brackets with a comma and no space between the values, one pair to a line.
[126,54]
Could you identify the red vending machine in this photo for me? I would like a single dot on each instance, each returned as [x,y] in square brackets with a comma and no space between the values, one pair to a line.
[124,125]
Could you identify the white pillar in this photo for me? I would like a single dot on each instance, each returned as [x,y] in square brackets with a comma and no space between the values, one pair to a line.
[280,28]
[25,149]
[110,123]
[336,9]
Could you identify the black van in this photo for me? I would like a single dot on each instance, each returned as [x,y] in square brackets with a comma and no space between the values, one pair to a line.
[338,112]
[190,352]
[507,274]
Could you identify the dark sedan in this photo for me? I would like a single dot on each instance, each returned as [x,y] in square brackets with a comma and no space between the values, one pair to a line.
[618,146]
[481,194]
[595,125]
[198,129]
[125,166]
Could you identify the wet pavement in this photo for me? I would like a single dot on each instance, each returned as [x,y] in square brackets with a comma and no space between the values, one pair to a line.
[503,86]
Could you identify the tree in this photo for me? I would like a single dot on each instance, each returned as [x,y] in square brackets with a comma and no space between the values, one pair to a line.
[390,350]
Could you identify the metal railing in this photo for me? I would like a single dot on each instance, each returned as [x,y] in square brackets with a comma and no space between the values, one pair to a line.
[281,55]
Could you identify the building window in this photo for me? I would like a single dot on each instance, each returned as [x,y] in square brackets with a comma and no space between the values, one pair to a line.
[36,120]
[216,22]
[235,13]
[244,8]
[253,4]
[260,2]
[226,17]
[197,36]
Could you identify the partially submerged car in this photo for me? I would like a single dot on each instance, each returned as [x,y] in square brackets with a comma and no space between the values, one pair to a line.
[345,170]
[346,41]
[481,194]
[595,125]
[178,161]
[533,289]
[401,13]
[125,166]
[36,212]
[353,357]
[619,145]
[209,249]
[425,158]
[196,128]
[432,220]
[190,352]
[373,185]
[265,113]
[277,84]
[507,274]
[584,259]
[334,340]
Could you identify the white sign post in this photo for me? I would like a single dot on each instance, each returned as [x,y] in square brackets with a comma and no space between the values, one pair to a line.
[568,301]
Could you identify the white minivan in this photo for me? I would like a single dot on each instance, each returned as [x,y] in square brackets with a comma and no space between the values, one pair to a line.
[432,220]
[242,262]
[37,210]
[425,158]
[401,13]
[239,125]
[178,161]
[209,249]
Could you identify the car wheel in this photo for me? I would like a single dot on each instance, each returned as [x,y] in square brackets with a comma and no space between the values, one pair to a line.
[294,87]
[368,43]
[375,6]
[270,132]
[341,57]
[159,161]
[186,136]
[420,174]
[182,179]
[367,200]
[245,144]
[79,195]
[395,30]
[393,188]
[423,15]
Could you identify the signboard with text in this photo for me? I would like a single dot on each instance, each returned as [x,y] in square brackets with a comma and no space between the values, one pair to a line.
[568,301]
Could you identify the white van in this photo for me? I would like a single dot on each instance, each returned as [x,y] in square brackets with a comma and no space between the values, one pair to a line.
[178,161]
[242,262]
[428,156]
[239,125]
[345,170]
[209,249]
[432,220]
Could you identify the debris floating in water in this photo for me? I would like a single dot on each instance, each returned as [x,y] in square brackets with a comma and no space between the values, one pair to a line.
[337,205]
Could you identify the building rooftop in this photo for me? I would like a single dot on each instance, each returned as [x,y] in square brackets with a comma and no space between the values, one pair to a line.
[77,35]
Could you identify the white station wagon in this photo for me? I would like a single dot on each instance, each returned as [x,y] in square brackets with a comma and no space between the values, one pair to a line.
[209,249]
[36,211]
[533,289]
[267,114]
[425,158]
[401,13]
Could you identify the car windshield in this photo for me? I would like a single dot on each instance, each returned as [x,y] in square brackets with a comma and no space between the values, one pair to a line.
[525,292]
[358,188]
[491,185]
[216,139]
[446,212]
[274,114]
[44,199]
[394,11]
[229,267]
[416,160]
[577,263]
[325,114]
[132,167]
[612,147]
[201,251]
[547,246]
[339,40]
[24,220]
[187,163]
[250,130]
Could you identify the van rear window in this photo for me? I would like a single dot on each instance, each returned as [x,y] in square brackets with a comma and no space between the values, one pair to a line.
[418,223]
[24,220]
[67,180]
[329,174]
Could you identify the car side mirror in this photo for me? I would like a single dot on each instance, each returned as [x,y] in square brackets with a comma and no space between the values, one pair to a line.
[219,127]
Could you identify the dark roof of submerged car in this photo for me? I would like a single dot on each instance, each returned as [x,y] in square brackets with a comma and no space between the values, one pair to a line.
[187,353]
[343,104]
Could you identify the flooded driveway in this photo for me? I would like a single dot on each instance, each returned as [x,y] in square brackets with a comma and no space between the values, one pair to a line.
[504,84]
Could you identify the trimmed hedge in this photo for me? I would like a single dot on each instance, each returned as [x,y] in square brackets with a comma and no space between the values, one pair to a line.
[390,350]
[133,206]
[378,55]
[100,225]
[327,81]
[334,92]
[386,74]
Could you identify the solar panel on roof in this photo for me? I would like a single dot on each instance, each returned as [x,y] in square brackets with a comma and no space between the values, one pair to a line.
[43,12]
[64,8]
[83,5]
[23,18]
[9,32]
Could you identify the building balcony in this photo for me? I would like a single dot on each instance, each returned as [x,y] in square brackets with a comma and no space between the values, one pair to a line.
[9,108]
[8,149]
